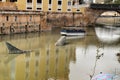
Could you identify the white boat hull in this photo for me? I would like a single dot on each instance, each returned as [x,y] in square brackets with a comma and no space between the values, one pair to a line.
[72,34]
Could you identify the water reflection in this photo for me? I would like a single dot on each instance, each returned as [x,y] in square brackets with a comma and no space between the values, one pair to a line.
[81,59]
[98,56]
[108,34]
[27,66]
[40,66]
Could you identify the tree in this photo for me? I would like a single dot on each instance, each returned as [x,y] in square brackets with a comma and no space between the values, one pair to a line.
[108,1]
[112,1]
[117,2]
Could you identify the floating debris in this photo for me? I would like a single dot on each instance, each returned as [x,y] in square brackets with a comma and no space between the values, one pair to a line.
[13,50]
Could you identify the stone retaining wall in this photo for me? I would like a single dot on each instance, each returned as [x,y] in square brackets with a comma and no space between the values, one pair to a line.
[16,21]
[60,19]
[21,21]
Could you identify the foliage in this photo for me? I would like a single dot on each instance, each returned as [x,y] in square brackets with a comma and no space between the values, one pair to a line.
[108,1]
[112,1]
[117,2]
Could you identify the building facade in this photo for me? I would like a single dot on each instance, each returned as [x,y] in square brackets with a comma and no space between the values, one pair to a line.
[48,5]
[22,16]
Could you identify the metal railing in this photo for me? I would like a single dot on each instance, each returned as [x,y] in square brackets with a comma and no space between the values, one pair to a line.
[105,6]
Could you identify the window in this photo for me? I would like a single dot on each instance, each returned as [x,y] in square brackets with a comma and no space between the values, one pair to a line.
[39,1]
[59,9]
[39,8]
[50,1]
[73,3]
[69,3]
[7,18]
[12,0]
[69,9]
[78,10]
[29,7]
[80,1]
[49,9]
[59,2]
[29,1]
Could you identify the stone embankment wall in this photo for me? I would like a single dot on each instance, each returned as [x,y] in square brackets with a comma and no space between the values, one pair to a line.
[62,19]
[15,21]
[23,21]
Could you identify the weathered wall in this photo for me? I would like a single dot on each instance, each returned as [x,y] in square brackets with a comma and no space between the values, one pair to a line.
[62,19]
[22,22]
[16,21]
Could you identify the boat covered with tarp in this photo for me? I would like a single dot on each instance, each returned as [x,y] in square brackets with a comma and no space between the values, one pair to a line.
[72,31]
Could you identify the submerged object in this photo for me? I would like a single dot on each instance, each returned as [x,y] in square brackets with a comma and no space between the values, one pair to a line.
[61,41]
[75,37]
[13,50]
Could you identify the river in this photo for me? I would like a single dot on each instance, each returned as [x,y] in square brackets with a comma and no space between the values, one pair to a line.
[80,59]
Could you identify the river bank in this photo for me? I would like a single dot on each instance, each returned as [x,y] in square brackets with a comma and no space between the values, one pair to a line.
[23,21]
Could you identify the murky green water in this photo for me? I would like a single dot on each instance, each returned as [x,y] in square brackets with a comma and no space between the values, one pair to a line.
[80,59]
